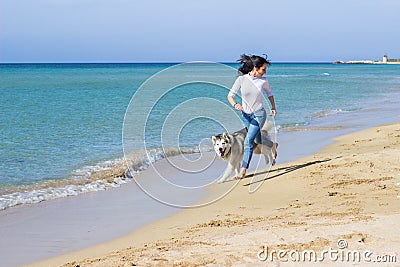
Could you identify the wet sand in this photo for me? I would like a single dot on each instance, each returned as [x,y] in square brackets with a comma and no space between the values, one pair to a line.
[345,197]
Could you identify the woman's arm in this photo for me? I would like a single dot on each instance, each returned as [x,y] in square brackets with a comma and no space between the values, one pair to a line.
[273,108]
[231,100]
[235,88]
[268,91]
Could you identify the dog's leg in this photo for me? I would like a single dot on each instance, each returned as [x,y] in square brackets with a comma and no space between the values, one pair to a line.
[271,154]
[268,156]
[227,173]
[274,153]
[237,170]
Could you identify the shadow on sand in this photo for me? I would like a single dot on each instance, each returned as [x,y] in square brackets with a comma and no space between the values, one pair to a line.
[284,169]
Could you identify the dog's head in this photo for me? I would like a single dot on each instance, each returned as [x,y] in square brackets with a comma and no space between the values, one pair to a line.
[222,144]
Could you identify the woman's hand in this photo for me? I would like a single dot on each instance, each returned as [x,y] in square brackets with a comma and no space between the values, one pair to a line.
[273,108]
[237,106]
[272,113]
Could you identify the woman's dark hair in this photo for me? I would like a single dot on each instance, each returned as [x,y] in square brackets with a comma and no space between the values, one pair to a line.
[250,61]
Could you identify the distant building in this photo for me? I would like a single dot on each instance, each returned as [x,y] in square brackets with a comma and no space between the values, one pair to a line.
[385,60]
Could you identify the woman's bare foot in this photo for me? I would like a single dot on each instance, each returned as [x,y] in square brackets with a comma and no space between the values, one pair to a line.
[242,173]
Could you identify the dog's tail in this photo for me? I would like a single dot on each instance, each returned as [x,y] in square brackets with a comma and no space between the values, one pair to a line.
[267,126]
[265,134]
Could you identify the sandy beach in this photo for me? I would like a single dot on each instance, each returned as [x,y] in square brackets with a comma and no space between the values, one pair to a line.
[341,203]
[109,109]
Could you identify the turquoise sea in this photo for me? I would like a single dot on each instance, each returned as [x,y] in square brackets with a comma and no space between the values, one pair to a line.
[60,123]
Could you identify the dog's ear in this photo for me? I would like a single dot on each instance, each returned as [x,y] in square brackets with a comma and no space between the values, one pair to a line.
[214,138]
[226,137]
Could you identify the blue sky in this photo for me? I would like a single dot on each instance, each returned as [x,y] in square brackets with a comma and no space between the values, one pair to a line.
[211,30]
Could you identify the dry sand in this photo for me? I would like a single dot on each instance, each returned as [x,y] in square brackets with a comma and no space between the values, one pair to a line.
[349,191]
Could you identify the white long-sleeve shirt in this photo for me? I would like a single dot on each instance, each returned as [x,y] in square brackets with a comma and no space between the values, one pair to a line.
[251,89]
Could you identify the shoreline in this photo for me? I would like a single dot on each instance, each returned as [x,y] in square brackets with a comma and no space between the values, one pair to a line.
[315,195]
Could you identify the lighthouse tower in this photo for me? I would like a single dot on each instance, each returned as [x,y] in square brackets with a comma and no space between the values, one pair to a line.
[384,59]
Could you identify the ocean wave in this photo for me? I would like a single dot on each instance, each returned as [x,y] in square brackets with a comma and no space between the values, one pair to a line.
[298,75]
[313,128]
[325,113]
[306,125]
[105,175]
[289,75]
[32,196]
[285,126]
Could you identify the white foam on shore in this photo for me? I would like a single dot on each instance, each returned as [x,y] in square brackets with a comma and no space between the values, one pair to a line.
[106,175]
[36,196]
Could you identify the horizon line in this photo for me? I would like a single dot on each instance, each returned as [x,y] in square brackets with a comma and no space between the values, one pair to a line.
[151,62]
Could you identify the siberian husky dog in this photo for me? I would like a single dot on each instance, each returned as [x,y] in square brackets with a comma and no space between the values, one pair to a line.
[230,147]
